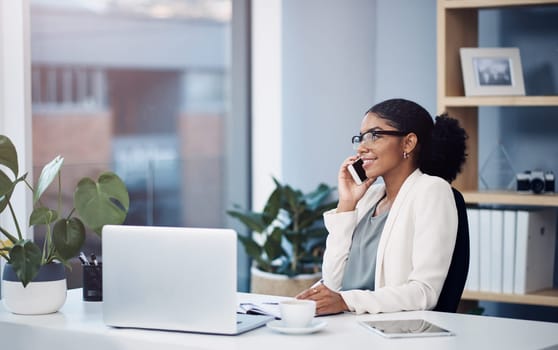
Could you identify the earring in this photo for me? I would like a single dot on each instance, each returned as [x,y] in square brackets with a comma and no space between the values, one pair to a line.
[405,155]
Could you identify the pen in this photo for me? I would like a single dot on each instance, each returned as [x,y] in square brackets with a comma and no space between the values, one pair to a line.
[83,258]
[94,259]
[320,282]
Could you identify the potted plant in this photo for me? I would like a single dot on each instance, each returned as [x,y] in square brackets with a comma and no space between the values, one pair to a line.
[96,204]
[288,239]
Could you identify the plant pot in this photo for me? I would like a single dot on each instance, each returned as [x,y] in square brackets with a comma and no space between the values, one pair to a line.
[44,295]
[274,284]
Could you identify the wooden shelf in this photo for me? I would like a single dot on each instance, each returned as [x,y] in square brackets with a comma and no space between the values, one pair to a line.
[506,101]
[546,297]
[479,4]
[458,27]
[511,198]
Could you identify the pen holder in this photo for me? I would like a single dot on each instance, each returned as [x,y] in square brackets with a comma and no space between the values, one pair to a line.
[93,282]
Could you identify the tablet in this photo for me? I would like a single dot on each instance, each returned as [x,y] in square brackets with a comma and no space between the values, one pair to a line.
[405,328]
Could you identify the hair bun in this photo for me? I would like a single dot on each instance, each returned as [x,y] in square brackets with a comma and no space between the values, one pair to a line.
[447,149]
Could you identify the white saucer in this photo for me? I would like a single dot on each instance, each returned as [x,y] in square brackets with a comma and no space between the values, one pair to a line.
[277,325]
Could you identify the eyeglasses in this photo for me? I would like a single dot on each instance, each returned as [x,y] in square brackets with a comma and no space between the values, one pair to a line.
[372,136]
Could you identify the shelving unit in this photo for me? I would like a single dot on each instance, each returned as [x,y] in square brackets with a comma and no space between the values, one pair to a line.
[458,27]
[505,101]
[546,297]
[507,198]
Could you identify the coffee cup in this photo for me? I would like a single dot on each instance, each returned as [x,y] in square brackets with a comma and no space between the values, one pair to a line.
[297,313]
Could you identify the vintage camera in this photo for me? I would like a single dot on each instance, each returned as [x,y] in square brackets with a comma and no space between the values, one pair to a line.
[536,181]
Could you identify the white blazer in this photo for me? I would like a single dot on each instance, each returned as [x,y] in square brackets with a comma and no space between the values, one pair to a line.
[414,252]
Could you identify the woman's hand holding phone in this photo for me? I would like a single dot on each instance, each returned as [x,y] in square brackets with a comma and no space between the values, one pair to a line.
[349,190]
[357,171]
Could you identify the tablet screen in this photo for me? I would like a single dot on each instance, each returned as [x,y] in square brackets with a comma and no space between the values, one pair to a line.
[406,328]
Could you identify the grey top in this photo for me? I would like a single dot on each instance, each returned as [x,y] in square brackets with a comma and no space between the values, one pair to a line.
[361,264]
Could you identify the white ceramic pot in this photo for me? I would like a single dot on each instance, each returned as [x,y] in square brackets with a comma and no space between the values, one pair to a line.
[262,282]
[44,295]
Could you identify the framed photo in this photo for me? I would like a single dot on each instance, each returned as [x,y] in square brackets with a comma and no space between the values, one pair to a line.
[492,71]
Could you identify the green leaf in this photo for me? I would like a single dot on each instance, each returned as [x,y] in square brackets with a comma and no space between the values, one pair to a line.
[6,184]
[68,237]
[6,189]
[253,221]
[5,197]
[103,202]
[316,197]
[295,238]
[273,205]
[272,246]
[42,216]
[294,199]
[250,246]
[318,232]
[48,174]
[328,206]
[308,218]
[8,155]
[12,238]
[25,258]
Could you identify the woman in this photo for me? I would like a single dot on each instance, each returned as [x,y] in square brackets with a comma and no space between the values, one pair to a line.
[390,245]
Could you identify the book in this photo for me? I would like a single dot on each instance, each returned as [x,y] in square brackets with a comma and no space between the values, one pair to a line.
[497,250]
[474,250]
[534,251]
[268,308]
[508,268]
[485,250]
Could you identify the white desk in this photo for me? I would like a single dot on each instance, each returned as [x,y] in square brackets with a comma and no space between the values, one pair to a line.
[79,326]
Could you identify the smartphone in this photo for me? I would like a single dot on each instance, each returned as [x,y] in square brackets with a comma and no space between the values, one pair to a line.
[357,172]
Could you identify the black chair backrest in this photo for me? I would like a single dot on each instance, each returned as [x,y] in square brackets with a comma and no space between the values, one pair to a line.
[459,267]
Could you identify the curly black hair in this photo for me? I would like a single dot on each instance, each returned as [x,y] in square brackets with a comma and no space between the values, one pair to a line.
[441,145]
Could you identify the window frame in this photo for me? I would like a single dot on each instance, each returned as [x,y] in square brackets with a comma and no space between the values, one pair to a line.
[15,97]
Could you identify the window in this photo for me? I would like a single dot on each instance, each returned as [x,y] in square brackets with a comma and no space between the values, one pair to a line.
[139,87]
[58,88]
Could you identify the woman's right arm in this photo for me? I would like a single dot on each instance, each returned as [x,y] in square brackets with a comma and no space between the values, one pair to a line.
[340,224]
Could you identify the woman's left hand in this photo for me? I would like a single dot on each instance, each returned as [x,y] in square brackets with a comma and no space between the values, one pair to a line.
[327,301]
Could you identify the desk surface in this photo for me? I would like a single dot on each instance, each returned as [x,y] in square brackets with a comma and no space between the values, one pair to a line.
[79,326]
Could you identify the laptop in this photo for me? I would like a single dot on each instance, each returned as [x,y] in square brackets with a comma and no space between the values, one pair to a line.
[172,278]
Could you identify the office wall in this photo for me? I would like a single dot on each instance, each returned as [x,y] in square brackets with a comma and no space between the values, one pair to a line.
[406,51]
[328,83]
[340,58]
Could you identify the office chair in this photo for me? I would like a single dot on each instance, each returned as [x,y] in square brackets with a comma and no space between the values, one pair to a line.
[459,267]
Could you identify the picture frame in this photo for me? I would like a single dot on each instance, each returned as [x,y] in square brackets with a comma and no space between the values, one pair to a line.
[492,71]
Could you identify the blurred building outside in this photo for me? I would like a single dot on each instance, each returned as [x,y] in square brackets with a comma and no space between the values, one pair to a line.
[139,91]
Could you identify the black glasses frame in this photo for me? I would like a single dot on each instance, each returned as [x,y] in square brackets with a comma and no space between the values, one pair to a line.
[356,140]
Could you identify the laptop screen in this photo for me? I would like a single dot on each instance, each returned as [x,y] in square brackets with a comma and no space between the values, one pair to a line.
[170,278]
